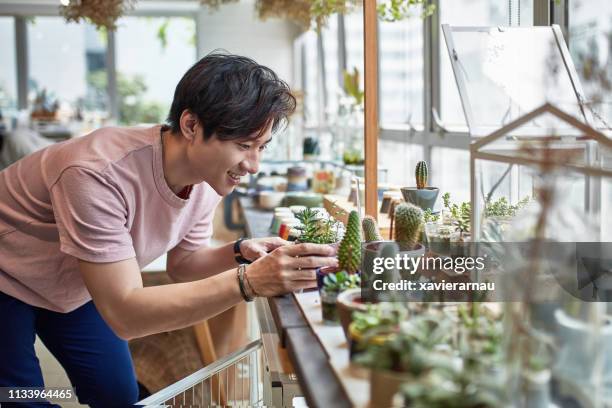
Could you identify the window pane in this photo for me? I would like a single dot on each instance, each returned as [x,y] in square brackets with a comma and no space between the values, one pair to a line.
[471,13]
[68,61]
[332,76]
[401,71]
[353,25]
[311,78]
[8,74]
[450,172]
[590,25]
[153,53]
[399,160]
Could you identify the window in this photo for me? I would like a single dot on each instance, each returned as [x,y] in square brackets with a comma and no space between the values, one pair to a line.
[333,85]
[399,160]
[450,172]
[311,78]
[149,70]
[67,61]
[353,26]
[401,71]
[8,74]
[471,13]
[590,43]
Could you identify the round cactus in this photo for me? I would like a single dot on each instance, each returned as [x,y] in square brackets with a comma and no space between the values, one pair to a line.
[349,251]
[421,174]
[370,229]
[408,224]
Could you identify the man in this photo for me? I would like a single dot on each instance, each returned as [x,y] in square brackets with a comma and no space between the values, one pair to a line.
[79,219]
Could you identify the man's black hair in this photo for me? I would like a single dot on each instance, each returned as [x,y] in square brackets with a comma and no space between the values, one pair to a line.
[232,97]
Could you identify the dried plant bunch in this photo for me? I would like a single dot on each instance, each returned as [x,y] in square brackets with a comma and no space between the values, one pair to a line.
[102,13]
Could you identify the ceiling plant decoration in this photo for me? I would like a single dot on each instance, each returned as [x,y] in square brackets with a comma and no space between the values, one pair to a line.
[309,13]
[101,13]
[306,13]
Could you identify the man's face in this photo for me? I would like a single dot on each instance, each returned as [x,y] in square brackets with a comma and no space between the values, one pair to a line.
[222,163]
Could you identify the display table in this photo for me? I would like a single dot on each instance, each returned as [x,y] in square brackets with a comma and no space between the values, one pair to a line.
[317,352]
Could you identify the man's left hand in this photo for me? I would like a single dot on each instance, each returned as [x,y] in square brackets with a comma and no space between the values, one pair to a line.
[255,248]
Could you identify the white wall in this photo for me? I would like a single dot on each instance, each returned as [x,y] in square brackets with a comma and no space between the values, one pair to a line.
[236,28]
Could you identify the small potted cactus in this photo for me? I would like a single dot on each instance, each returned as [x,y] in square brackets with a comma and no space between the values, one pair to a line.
[422,196]
[408,225]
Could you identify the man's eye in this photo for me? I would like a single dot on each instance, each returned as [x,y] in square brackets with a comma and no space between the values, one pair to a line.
[262,148]
[244,146]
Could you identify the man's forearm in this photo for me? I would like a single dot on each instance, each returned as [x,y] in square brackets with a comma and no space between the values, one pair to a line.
[203,263]
[163,308]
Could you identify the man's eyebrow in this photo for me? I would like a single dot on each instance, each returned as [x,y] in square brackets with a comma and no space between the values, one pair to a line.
[267,141]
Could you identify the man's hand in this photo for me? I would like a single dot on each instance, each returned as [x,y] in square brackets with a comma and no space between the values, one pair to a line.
[255,248]
[289,268]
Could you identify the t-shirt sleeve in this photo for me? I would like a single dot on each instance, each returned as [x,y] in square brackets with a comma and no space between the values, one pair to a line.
[199,236]
[91,216]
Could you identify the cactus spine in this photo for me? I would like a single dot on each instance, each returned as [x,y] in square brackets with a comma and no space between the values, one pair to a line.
[349,252]
[370,229]
[421,174]
[408,223]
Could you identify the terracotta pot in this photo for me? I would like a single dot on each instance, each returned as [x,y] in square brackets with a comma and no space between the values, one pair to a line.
[348,302]
[384,384]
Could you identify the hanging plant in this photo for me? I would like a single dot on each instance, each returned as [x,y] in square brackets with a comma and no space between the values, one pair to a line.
[307,12]
[396,10]
[102,13]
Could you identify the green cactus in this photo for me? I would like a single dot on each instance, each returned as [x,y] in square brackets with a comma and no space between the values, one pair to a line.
[421,174]
[349,252]
[408,224]
[370,229]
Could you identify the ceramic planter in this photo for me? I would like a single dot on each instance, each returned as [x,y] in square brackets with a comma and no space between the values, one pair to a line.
[384,384]
[349,301]
[321,272]
[425,198]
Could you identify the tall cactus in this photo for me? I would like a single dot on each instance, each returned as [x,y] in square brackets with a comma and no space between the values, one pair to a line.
[421,174]
[408,224]
[370,229]
[349,252]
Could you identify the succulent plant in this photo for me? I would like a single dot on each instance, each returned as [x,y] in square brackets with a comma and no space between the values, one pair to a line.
[370,229]
[421,174]
[349,251]
[408,224]
[316,229]
[340,281]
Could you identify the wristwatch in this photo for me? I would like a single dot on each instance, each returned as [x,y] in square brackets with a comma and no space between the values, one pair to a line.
[237,254]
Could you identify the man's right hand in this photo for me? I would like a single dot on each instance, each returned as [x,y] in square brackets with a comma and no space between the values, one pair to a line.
[289,268]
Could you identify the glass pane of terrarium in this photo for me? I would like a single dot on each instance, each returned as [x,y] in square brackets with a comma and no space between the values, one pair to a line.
[450,172]
[505,73]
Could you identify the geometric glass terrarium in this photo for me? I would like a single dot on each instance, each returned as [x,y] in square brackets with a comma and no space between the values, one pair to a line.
[541,191]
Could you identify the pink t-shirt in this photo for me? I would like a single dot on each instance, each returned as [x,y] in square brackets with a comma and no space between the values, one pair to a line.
[100,198]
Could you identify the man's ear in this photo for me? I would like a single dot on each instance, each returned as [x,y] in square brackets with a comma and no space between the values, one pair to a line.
[189,125]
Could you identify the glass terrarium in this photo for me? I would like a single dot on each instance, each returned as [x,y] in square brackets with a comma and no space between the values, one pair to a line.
[523,103]
[541,198]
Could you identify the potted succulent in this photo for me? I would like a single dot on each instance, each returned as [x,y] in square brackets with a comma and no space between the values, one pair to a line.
[422,196]
[405,356]
[316,228]
[383,319]
[333,284]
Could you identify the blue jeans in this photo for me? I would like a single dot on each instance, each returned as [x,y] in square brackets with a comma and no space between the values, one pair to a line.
[98,363]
